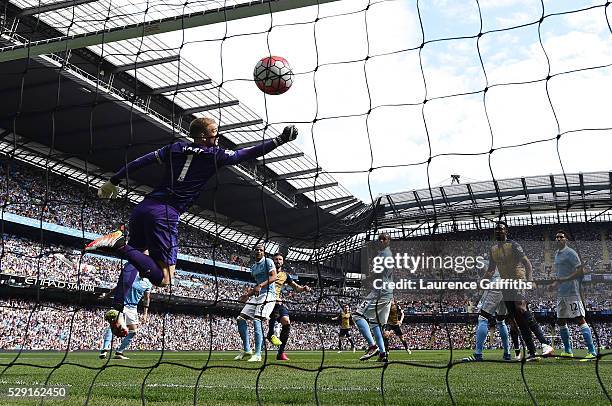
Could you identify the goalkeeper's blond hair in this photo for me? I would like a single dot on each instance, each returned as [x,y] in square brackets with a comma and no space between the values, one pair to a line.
[198,128]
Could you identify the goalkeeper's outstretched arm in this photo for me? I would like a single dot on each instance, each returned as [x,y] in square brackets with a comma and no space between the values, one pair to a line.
[109,189]
[289,134]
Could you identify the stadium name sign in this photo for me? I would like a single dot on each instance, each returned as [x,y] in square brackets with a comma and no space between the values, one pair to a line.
[50,283]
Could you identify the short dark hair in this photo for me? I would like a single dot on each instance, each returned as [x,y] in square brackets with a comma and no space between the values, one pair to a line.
[565,233]
[278,254]
[199,126]
[385,236]
[501,223]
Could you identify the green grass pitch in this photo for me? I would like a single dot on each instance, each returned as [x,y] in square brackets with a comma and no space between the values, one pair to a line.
[338,379]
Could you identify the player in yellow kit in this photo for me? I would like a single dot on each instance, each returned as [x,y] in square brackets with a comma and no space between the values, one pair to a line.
[346,320]
[280,312]
[394,323]
[509,258]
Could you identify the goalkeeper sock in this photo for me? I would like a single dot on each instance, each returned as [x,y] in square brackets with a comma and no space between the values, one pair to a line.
[565,337]
[380,342]
[124,284]
[284,337]
[364,329]
[243,330]
[147,267]
[503,333]
[481,334]
[126,341]
[352,343]
[108,337]
[257,328]
[588,338]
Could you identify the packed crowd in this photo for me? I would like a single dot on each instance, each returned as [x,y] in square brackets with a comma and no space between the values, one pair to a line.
[24,257]
[38,194]
[51,198]
[52,326]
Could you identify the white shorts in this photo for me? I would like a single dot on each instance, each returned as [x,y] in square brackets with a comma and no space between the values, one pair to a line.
[492,302]
[569,307]
[260,306]
[130,315]
[375,309]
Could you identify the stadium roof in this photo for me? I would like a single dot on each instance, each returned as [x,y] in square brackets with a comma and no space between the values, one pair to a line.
[532,200]
[497,198]
[108,104]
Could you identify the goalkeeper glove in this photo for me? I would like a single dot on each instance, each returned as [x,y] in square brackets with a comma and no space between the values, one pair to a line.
[289,134]
[108,190]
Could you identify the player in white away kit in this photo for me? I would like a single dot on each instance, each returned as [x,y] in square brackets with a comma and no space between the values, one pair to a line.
[259,306]
[374,310]
[127,294]
[569,304]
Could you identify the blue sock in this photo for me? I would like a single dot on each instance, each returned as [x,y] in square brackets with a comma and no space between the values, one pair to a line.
[126,341]
[565,337]
[258,336]
[364,329]
[503,333]
[380,342]
[108,337]
[588,338]
[243,329]
[481,334]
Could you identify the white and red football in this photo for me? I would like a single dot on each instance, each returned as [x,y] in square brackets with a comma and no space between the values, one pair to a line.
[273,75]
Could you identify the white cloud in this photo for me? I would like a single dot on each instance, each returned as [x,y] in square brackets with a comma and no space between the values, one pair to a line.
[516,19]
[394,134]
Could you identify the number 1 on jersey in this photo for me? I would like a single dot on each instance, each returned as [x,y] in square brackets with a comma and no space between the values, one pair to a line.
[185,168]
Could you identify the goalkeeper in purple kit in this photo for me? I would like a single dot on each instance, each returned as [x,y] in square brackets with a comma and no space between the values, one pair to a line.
[187,168]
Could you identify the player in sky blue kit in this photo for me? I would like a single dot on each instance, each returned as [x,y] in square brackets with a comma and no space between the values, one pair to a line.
[127,294]
[568,270]
[154,221]
[374,310]
[259,306]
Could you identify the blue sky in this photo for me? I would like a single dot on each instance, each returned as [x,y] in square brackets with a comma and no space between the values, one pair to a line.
[348,142]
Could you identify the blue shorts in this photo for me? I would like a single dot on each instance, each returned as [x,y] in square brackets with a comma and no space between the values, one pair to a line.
[344,332]
[154,227]
[280,310]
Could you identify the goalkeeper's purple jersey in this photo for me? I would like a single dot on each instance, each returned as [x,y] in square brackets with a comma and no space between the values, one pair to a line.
[188,167]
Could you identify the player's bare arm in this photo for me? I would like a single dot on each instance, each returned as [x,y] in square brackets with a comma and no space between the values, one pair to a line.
[528,268]
[299,288]
[490,269]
